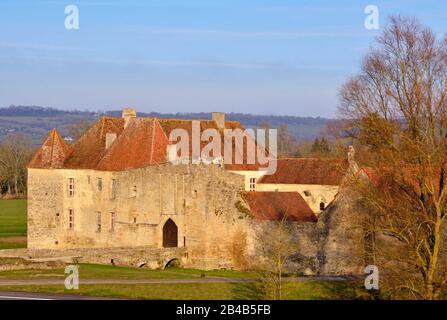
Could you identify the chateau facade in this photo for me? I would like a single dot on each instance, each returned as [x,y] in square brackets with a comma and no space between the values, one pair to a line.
[117,187]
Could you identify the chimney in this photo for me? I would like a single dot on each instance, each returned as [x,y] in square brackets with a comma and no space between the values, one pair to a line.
[219,118]
[110,139]
[351,160]
[351,154]
[128,113]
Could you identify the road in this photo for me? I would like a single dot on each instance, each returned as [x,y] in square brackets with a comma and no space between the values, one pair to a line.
[26,282]
[5,295]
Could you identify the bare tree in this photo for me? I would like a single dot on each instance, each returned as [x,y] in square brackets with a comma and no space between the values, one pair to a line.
[278,244]
[397,105]
[15,153]
[77,129]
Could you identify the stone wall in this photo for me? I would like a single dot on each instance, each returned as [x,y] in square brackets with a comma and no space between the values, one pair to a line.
[200,199]
[341,236]
[215,230]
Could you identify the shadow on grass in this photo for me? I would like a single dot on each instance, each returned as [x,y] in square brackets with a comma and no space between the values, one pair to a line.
[249,290]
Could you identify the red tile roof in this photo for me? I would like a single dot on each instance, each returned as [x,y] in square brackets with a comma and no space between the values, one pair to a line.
[52,153]
[89,149]
[320,171]
[275,205]
[393,179]
[142,142]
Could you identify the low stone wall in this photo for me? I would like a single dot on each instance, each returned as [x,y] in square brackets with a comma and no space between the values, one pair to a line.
[136,257]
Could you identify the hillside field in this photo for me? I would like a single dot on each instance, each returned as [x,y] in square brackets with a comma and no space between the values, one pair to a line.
[12,224]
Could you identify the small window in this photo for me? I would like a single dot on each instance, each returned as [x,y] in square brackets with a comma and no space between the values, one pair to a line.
[134,220]
[112,221]
[322,206]
[70,219]
[99,184]
[71,187]
[113,189]
[133,192]
[252,184]
[98,221]
[307,193]
[88,179]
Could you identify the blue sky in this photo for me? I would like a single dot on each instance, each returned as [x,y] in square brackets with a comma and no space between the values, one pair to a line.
[253,56]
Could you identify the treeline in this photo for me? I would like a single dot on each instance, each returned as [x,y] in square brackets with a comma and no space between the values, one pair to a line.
[15,153]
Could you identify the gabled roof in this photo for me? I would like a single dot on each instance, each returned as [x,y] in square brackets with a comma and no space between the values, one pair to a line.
[89,149]
[238,151]
[276,205]
[142,142]
[52,153]
[320,171]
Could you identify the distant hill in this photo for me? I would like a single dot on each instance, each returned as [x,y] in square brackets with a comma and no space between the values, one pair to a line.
[36,121]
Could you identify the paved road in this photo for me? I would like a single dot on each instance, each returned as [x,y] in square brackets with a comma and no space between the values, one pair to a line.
[26,282]
[5,295]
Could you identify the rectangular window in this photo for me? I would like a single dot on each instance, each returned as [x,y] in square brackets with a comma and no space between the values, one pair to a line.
[112,221]
[70,219]
[99,184]
[133,192]
[252,184]
[113,189]
[71,187]
[98,221]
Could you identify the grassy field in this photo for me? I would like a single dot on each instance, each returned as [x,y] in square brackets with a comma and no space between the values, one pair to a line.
[95,271]
[188,291]
[12,224]
[13,235]
[313,290]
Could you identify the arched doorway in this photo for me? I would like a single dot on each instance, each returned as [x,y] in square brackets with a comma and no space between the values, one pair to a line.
[170,237]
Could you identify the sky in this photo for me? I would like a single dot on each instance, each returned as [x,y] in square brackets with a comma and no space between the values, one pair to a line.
[272,57]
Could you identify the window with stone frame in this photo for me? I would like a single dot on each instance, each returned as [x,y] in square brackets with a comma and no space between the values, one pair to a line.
[112,221]
[133,191]
[252,184]
[98,221]
[70,219]
[113,189]
[99,184]
[71,187]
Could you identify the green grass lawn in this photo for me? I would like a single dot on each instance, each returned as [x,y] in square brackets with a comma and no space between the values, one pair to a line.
[313,290]
[12,218]
[97,271]
[12,224]
[188,291]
